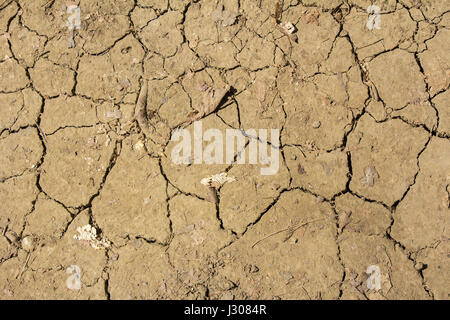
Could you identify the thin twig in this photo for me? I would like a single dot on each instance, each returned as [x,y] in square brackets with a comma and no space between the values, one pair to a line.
[290,228]
[24,266]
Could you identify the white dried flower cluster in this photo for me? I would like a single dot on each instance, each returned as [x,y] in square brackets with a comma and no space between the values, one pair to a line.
[219,179]
[89,233]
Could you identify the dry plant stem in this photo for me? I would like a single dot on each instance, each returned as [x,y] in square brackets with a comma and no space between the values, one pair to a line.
[278,11]
[24,266]
[292,229]
[141,110]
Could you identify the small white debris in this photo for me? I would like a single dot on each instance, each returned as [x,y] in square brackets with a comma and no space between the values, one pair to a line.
[28,243]
[218,179]
[147,200]
[316,124]
[197,238]
[88,233]
[116,114]
[370,175]
[289,27]
[138,146]
[74,281]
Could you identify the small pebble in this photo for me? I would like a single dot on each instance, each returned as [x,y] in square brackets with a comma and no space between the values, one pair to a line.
[138,146]
[28,243]
[316,124]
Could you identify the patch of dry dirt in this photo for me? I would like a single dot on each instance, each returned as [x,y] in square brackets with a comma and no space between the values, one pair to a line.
[363,180]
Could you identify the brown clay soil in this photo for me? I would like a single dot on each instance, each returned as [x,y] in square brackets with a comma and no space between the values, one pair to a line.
[364,174]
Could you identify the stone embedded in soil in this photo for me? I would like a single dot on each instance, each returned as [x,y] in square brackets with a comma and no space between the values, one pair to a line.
[424,211]
[394,156]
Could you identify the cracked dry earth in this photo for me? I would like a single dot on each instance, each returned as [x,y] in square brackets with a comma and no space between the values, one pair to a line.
[364,133]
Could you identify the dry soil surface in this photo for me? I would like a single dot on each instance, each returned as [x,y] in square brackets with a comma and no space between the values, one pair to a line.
[364,177]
